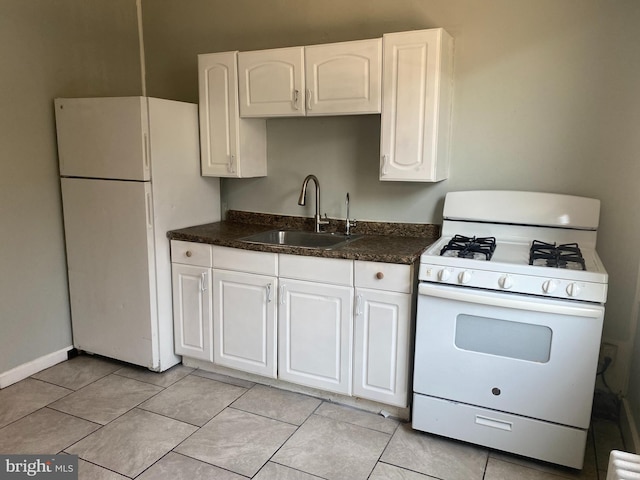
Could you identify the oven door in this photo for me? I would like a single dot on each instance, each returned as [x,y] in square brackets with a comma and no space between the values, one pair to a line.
[530,356]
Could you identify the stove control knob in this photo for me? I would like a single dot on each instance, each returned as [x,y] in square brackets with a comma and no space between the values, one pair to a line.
[464,277]
[573,289]
[444,274]
[505,281]
[549,286]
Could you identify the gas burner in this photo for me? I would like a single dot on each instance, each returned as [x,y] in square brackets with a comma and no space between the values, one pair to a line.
[567,255]
[480,248]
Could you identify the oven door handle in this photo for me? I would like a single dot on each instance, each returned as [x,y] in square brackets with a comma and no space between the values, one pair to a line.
[508,300]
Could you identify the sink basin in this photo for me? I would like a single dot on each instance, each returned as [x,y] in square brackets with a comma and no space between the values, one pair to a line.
[299,238]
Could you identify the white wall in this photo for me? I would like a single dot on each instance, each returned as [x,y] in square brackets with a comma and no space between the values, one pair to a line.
[48,49]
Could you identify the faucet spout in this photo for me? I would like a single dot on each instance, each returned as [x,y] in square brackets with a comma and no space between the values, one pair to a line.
[349,223]
[303,199]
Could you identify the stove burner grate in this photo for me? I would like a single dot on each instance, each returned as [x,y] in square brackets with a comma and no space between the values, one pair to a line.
[471,247]
[558,256]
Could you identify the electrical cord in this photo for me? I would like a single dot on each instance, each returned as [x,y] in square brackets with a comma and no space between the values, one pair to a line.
[605,365]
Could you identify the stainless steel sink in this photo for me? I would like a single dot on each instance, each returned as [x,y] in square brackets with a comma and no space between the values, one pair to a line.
[302,239]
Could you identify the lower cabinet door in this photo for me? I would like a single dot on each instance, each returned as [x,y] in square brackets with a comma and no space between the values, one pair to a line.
[192,321]
[244,320]
[381,357]
[315,330]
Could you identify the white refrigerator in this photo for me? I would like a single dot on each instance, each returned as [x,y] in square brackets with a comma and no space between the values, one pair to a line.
[130,171]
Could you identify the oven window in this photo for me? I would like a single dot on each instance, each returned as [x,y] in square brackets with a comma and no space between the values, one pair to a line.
[523,341]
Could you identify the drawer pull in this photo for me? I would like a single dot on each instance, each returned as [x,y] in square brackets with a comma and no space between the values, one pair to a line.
[188,253]
[379,275]
[493,423]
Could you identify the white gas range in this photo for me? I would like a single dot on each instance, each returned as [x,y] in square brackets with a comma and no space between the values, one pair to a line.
[509,321]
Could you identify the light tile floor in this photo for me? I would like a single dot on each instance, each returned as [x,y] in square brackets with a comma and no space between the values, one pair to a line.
[127,422]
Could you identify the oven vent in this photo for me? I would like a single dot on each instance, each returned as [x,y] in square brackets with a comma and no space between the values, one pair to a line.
[623,466]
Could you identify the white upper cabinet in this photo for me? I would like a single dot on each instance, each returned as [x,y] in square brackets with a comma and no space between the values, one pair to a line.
[416,108]
[344,78]
[333,79]
[272,82]
[229,145]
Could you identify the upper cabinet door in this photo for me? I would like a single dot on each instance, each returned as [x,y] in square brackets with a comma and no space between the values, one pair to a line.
[344,78]
[103,137]
[272,82]
[416,108]
[229,146]
[218,80]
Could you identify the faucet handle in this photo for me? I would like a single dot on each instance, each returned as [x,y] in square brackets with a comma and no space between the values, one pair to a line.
[324,221]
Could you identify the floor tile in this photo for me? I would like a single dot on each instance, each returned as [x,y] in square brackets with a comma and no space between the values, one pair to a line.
[194,400]
[133,442]
[178,467]
[277,404]
[357,417]
[273,471]
[499,470]
[333,450]
[435,456]
[26,397]
[163,379]
[106,399]
[78,372]
[238,441]
[88,471]
[224,378]
[45,431]
[384,471]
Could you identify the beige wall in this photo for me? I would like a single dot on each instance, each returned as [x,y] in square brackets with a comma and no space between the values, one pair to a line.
[48,49]
[546,99]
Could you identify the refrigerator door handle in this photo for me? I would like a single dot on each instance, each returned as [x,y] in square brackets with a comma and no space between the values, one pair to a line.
[146,151]
[149,210]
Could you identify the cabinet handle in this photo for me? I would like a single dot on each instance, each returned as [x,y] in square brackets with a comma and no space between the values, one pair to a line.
[231,167]
[282,294]
[296,98]
[379,275]
[268,293]
[309,92]
[358,305]
[385,164]
[204,282]
[188,253]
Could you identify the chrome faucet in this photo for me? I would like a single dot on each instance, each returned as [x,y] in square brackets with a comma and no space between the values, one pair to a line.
[348,222]
[303,198]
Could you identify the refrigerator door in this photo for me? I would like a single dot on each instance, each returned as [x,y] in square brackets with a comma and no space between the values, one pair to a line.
[110,258]
[103,137]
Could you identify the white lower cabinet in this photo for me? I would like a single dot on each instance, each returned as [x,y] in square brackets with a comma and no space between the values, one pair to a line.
[244,321]
[192,311]
[292,317]
[382,332]
[381,353]
[315,335]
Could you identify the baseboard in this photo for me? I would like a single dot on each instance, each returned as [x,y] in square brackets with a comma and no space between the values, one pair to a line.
[34,366]
[628,428]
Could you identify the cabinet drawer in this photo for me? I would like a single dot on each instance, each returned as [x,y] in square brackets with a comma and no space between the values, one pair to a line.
[191,253]
[315,269]
[264,263]
[520,435]
[383,276]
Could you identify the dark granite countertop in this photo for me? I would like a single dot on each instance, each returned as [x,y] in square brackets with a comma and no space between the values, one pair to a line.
[380,242]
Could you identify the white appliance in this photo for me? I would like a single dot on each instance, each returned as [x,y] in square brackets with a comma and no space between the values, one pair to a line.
[509,322]
[130,171]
